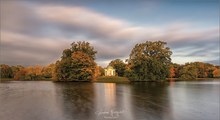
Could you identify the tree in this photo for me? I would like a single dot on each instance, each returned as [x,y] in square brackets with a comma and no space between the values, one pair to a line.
[29,73]
[84,47]
[216,72]
[35,73]
[48,71]
[66,53]
[6,71]
[99,71]
[77,63]
[172,72]
[83,65]
[102,71]
[188,72]
[119,66]
[149,61]
[20,75]
[15,69]
[201,69]
[209,70]
[204,70]
[176,69]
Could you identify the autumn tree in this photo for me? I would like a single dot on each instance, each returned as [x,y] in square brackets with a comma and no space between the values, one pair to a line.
[102,71]
[48,71]
[149,61]
[188,72]
[209,70]
[29,73]
[84,47]
[204,70]
[15,69]
[77,63]
[216,72]
[177,68]
[6,71]
[171,72]
[99,71]
[119,66]
[34,73]
[20,75]
[201,69]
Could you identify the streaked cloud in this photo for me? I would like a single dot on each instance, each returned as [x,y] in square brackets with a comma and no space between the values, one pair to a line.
[37,34]
[99,25]
[28,50]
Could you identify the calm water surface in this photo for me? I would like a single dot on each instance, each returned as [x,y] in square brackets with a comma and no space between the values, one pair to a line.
[45,100]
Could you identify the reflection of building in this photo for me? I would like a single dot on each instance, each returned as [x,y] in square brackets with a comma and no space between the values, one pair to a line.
[109,71]
[110,94]
[110,105]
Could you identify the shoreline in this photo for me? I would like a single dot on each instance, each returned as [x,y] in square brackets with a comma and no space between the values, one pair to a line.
[115,79]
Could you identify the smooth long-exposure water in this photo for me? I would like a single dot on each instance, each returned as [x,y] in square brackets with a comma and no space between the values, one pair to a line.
[45,100]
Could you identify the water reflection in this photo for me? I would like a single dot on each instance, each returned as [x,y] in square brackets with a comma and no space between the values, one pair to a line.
[109,95]
[126,101]
[151,101]
[77,100]
[37,100]
[113,101]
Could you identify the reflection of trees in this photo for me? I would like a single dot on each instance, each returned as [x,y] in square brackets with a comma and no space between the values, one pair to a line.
[150,101]
[77,100]
[125,101]
[136,101]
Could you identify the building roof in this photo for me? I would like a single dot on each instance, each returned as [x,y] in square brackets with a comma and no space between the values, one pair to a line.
[109,67]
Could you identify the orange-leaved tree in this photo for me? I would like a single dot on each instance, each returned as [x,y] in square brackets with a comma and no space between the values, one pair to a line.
[77,63]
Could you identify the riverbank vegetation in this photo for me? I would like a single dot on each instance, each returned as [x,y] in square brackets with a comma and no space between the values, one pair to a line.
[194,70]
[148,61]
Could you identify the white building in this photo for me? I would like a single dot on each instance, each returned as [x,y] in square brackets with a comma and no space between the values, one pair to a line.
[109,71]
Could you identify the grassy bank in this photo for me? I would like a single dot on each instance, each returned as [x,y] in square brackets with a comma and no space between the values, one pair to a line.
[112,79]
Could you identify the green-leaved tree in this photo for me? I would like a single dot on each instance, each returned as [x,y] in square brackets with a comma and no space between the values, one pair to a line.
[149,61]
[119,66]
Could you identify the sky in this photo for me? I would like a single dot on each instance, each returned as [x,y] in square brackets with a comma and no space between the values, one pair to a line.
[36,32]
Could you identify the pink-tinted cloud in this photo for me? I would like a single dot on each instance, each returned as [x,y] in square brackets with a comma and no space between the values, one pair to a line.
[26,50]
[112,28]
[112,37]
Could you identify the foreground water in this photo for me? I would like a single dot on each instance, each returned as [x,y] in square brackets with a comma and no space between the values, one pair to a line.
[45,100]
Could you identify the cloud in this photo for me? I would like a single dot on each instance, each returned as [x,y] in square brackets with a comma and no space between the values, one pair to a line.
[28,50]
[93,24]
[97,25]
[18,17]
[37,34]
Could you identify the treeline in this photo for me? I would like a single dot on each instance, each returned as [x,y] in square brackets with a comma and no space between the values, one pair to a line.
[148,61]
[188,71]
[193,70]
[27,73]
[151,61]
[36,72]
[76,64]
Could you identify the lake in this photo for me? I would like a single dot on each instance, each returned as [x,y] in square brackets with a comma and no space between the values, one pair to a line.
[46,100]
